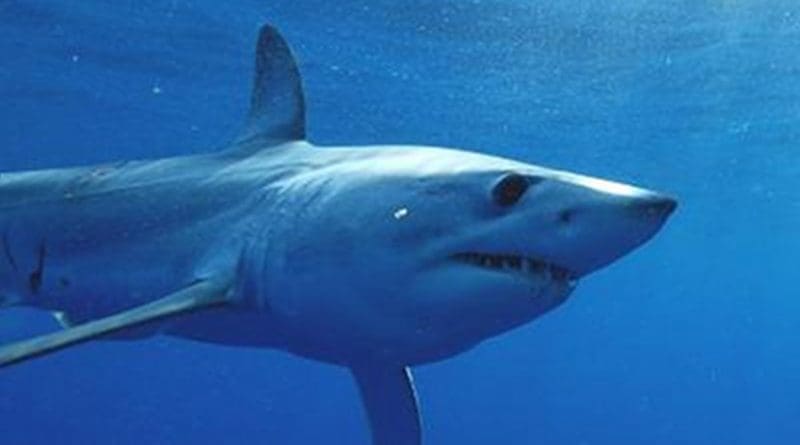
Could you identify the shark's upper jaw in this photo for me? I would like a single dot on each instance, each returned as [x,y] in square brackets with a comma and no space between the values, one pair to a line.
[517,265]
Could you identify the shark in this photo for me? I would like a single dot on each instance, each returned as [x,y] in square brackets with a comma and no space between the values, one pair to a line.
[376,258]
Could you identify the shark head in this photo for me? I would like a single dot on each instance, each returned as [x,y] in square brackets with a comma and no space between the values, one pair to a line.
[410,254]
[429,251]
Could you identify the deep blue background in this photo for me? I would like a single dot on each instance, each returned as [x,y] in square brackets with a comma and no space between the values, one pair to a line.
[691,340]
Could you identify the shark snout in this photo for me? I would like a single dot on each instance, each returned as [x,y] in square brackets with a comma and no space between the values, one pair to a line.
[587,223]
[653,205]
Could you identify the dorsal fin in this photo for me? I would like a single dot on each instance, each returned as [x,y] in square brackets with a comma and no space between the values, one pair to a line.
[277,106]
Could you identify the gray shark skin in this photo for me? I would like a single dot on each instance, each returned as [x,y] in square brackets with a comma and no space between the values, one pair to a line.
[375,258]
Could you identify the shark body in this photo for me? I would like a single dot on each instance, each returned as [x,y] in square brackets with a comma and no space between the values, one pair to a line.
[375,258]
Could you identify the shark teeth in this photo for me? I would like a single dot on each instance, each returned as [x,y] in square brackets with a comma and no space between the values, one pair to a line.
[517,264]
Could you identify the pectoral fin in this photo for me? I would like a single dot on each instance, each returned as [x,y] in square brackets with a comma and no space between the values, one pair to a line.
[199,295]
[391,403]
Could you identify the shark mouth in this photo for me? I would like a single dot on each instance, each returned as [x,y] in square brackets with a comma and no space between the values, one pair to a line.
[517,264]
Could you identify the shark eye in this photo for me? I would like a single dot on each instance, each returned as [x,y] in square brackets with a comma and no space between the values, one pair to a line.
[510,189]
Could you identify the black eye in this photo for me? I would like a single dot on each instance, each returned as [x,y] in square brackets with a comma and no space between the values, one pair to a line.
[510,189]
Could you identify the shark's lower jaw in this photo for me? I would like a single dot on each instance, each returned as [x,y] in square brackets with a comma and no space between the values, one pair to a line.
[517,265]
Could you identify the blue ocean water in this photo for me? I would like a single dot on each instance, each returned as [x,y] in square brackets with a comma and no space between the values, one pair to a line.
[690,340]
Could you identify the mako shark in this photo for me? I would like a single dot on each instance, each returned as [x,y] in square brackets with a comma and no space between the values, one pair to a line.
[374,258]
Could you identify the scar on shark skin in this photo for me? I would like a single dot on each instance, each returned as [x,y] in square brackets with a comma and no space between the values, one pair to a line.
[35,278]
[7,252]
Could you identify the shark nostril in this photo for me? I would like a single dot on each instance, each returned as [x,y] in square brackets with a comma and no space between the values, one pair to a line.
[510,189]
[668,205]
[656,206]
[565,216]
